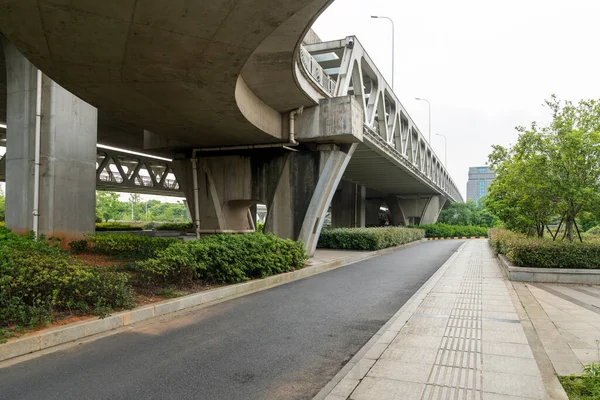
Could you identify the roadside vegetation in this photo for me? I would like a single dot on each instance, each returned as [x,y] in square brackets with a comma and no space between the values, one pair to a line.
[547,190]
[533,252]
[583,387]
[548,183]
[110,208]
[448,231]
[40,283]
[367,238]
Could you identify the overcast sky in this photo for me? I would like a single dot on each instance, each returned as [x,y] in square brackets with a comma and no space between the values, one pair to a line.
[485,66]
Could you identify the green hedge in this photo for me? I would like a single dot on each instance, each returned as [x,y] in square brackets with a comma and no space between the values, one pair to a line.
[367,238]
[444,230]
[222,258]
[116,226]
[524,251]
[122,245]
[175,226]
[37,278]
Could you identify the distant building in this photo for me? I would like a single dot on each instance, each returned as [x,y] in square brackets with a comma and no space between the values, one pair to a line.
[479,182]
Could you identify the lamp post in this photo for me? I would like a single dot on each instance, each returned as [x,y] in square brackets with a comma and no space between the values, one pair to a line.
[445,149]
[393,47]
[429,104]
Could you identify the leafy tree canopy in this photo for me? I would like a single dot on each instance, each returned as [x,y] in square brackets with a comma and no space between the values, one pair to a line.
[551,171]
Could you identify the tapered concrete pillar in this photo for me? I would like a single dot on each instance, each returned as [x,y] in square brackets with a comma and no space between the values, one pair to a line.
[68,154]
[422,210]
[397,217]
[296,187]
[348,206]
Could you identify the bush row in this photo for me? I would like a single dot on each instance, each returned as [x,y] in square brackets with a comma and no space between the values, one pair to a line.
[444,230]
[222,258]
[37,279]
[116,226]
[175,226]
[524,251]
[122,245]
[367,238]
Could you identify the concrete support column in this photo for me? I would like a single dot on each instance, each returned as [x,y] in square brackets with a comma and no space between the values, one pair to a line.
[422,210]
[68,154]
[397,217]
[348,206]
[433,209]
[372,212]
[296,187]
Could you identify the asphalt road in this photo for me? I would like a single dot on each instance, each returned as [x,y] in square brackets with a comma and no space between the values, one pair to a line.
[283,343]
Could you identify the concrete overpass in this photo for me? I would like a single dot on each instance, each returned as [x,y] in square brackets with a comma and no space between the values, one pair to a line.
[249,104]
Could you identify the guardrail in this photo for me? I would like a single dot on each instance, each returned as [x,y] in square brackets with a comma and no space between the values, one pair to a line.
[316,72]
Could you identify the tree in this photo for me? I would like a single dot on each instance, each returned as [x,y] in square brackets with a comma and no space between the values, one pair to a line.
[135,199]
[108,205]
[551,170]
[469,213]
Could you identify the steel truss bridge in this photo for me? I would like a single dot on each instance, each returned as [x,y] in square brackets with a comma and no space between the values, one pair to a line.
[391,139]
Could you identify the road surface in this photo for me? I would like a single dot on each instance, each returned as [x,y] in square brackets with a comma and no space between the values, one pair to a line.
[283,343]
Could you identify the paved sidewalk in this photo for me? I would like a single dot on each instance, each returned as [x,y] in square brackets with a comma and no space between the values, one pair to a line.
[460,337]
[566,318]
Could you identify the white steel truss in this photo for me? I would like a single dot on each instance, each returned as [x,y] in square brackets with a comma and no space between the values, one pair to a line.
[343,67]
[125,172]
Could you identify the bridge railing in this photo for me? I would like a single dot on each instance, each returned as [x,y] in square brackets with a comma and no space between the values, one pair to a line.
[352,72]
[316,72]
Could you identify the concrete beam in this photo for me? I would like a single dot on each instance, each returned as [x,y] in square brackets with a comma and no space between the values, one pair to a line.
[338,119]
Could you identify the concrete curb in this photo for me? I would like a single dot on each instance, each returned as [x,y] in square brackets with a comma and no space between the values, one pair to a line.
[84,329]
[456,237]
[521,298]
[549,275]
[397,321]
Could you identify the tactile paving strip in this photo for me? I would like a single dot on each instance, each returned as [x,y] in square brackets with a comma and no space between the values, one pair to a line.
[456,373]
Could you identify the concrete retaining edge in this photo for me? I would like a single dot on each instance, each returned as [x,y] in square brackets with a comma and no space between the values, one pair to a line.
[549,275]
[84,329]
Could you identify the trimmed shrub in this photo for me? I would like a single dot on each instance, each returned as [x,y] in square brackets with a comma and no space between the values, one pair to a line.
[149,226]
[444,230]
[367,238]
[124,245]
[37,278]
[524,251]
[223,259]
[175,226]
[116,226]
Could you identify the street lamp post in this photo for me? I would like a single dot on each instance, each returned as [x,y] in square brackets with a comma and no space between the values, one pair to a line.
[445,149]
[393,47]
[429,104]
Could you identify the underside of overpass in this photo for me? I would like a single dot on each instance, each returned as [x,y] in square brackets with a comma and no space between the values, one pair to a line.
[229,91]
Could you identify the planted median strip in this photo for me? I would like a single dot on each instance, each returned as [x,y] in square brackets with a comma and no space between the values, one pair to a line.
[39,283]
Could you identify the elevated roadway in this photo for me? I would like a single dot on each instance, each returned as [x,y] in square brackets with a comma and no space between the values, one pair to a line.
[251,105]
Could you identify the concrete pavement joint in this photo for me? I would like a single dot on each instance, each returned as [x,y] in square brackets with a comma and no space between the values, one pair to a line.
[408,310]
[520,295]
[55,339]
